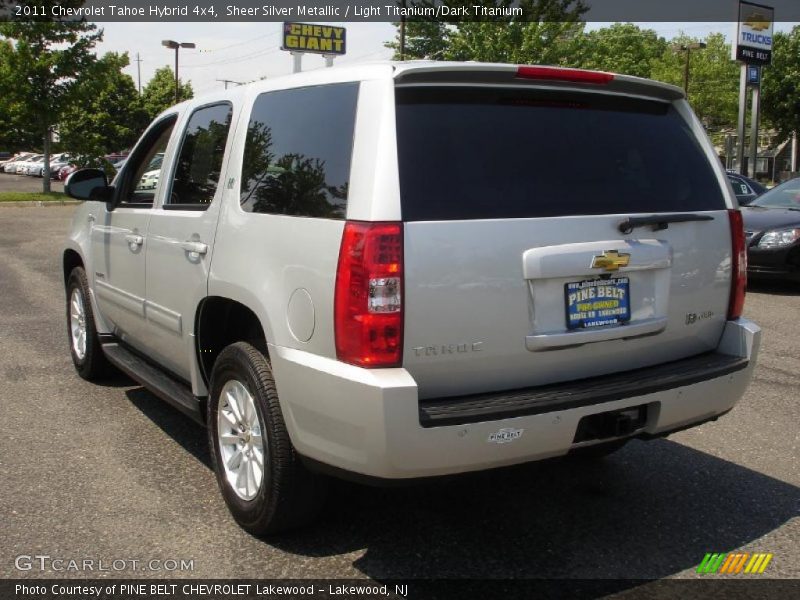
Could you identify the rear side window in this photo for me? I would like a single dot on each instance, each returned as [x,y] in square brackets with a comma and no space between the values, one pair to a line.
[199,164]
[298,150]
[468,153]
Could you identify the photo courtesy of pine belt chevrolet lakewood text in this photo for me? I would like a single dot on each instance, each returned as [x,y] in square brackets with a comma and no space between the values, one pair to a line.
[379,272]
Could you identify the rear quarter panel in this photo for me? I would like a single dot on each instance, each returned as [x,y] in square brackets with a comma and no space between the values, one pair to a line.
[261,260]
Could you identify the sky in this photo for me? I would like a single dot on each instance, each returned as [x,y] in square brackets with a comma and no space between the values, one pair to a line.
[245,51]
[235,51]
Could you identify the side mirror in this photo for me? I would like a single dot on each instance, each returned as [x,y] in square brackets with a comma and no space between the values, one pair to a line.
[89,184]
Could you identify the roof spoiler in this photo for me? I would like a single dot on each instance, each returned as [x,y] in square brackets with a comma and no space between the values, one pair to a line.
[502,74]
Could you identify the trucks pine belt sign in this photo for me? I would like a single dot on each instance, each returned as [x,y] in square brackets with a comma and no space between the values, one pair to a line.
[320,39]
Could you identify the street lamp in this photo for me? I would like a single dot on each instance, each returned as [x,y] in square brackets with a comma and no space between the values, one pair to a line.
[177,46]
[688,48]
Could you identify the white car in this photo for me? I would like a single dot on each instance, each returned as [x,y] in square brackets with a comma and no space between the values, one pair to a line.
[149,180]
[32,162]
[404,270]
[11,165]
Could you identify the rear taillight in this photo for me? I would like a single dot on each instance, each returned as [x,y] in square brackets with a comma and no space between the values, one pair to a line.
[738,265]
[571,75]
[368,303]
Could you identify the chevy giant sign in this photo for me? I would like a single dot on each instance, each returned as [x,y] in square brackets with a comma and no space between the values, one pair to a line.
[753,43]
[310,37]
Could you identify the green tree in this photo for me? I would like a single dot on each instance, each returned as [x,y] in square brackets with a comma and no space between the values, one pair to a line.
[159,93]
[545,34]
[713,80]
[109,115]
[545,42]
[46,63]
[621,48]
[424,39]
[780,99]
[13,133]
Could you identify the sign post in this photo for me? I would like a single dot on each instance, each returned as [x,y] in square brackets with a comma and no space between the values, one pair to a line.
[741,122]
[302,38]
[751,170]
[752,48]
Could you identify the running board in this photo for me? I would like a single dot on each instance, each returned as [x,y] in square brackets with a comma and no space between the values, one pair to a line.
[161,384]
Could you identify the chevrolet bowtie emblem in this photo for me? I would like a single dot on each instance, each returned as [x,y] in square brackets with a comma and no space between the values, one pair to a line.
[611,260]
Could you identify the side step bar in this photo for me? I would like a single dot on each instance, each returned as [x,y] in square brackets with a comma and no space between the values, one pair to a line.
[155,380]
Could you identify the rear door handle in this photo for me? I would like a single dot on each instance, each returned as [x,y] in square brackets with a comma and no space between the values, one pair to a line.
[134,240]
[195,247]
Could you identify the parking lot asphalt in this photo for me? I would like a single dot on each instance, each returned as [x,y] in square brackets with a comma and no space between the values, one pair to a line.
[23,183]
[110,472]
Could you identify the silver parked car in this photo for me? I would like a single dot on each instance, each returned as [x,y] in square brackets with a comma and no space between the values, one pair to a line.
[57,162]
[397,271]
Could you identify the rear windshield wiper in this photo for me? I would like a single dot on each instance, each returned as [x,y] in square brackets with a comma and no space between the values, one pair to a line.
[658,222]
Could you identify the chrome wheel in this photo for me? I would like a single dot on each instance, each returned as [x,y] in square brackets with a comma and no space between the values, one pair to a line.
[241,444]
[77,323]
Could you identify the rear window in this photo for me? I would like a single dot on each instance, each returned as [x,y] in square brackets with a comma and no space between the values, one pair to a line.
[467,153]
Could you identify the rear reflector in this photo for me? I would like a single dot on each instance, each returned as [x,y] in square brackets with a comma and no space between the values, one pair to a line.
[573,75]
[738,265]
[368,303]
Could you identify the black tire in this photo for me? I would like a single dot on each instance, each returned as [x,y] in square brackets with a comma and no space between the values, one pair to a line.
[93,365]
[598,451]
[290,495]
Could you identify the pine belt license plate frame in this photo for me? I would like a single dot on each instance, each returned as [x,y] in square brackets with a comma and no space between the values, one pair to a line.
[599,302]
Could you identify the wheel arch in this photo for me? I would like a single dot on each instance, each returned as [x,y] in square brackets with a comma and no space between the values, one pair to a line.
[221,321]
[69,260]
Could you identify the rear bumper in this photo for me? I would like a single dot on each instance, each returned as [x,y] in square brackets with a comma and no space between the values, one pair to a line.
[369,422]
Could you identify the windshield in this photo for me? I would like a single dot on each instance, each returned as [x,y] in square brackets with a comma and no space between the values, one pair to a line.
[786,195]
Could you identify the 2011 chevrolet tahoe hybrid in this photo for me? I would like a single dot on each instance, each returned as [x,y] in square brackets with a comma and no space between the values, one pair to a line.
[398,271]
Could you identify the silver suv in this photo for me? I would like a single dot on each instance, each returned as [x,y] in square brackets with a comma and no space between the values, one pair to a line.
[399,271]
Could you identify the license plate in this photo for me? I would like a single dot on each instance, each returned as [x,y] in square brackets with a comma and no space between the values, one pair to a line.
[597,302]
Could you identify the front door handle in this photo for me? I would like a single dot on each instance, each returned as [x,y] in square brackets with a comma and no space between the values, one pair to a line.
[134,240]
[195,247]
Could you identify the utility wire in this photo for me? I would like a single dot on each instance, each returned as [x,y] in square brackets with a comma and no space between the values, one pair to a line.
[228,61]
[258,37]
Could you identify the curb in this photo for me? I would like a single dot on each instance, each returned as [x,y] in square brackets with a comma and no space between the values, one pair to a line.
[41,203]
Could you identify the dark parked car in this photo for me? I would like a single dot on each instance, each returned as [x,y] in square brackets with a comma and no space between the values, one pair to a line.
[746,189]
[772,227]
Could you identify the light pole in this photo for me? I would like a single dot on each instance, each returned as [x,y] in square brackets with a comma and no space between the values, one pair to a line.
[688,49]
[177,46]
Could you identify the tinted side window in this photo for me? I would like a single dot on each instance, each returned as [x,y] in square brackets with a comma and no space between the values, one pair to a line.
[139,181]
[469,153]
[298,150]
[199,165]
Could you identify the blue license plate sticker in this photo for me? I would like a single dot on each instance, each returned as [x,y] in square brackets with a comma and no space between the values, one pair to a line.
[597,302]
